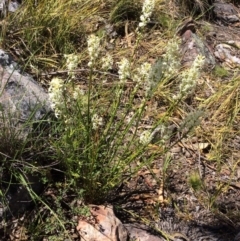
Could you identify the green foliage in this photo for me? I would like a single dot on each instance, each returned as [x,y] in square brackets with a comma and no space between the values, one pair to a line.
[99,135]
[191,120]
[195,7]
[165,20]
[220,72]
[44,31]
[195,181]
[125,10]
[96,158]
[9,135]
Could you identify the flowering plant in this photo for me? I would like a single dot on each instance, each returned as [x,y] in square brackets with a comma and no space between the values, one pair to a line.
[147,10]
[103,125]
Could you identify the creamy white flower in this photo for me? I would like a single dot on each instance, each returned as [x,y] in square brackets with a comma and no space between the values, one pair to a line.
[129,117]
[93,48]
[107,62]
[145,137]
[71,63]
[56,83]
[90,64]
[55,94]
[143,73]
[144,76]
[189,77]
[124,70]
[97,121]
[78,93]
[171,60]
[147,10]
[198,62]
[69,121]
[118,92]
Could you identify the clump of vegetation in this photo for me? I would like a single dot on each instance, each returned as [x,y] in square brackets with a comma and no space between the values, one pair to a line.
[117,110]
[195,7]
[195,181]
[125,10]
[43,31]
[220,71]
[100,142]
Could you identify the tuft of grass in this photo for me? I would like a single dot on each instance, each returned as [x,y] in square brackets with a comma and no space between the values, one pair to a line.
[125,10]
[43,30]
[95,143]
[195,181]
[195,7]
[99,137]
[220,71]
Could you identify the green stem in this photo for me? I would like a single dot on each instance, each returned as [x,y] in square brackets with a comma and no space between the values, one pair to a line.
[89,129]
[88,159]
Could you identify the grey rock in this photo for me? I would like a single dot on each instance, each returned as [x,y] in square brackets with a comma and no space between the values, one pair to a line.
[224,53]
[192,46]
[10,6]
[225,12]
[7,62]
[3,9]
[18,198]
[13,6]
[23,106]
[22,101]
[141,233]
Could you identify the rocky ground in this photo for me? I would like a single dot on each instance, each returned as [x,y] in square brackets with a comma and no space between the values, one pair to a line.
[203,214]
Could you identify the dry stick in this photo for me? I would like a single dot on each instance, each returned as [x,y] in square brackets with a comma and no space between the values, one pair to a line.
[79,70]
[87,70]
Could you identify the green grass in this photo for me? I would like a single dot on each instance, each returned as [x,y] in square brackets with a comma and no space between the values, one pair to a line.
[43,31]
[94,159]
